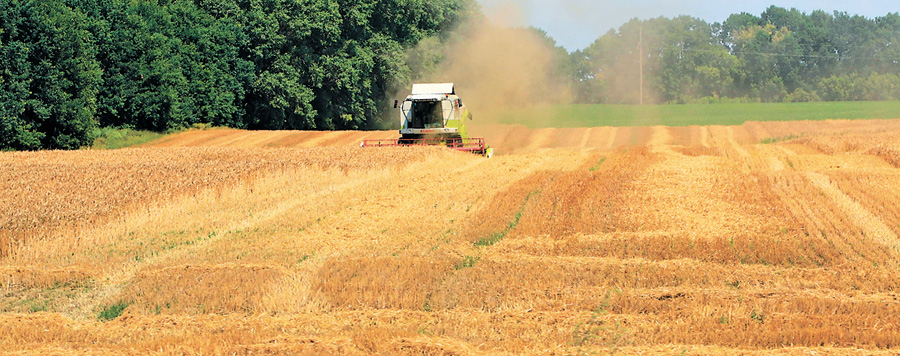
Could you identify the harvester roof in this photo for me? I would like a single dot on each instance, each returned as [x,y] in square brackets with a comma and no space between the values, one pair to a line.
[433,88]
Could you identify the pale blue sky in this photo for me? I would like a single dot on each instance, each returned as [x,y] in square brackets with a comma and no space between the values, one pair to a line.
[575,24]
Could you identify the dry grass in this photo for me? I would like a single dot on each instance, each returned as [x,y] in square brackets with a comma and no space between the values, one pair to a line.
[695,240]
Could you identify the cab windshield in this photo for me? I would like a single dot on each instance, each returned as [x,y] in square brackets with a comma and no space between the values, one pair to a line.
[426,115]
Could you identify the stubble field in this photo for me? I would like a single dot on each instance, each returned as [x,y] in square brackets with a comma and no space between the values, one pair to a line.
[764,238]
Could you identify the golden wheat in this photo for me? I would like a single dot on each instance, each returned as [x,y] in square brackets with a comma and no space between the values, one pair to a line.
[696,240]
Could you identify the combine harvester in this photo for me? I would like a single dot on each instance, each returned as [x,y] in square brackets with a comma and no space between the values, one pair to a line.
[434,116]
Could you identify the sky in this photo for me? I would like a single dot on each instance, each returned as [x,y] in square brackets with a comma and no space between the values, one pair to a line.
[575,24]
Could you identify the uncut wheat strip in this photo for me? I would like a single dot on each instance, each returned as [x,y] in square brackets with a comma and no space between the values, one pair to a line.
[28,276]
[675,349]
[668,245]
[533,330]
[518,331]
[576,270]
[548,245]
[203,333]
[541,328]
[627,272]
[678,303]
[878,310]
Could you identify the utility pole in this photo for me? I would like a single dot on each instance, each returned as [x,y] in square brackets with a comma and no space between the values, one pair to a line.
[641,45]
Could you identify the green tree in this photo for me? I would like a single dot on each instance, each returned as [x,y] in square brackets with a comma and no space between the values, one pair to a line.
[693,64]
[781,55]
[49,76]
[168,65]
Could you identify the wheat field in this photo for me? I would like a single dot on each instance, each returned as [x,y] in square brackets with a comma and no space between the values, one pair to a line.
[759,239]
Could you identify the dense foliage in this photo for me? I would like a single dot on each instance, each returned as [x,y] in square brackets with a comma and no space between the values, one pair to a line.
[781,55]
[49,76]
[69,66]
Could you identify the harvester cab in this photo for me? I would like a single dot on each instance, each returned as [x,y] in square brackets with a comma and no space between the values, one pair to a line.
[434,115]
[433,110]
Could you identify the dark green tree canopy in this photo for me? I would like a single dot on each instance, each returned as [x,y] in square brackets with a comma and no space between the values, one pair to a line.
[49,76]
[67,66]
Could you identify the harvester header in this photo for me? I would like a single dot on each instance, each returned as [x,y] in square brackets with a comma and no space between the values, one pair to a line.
[434,115]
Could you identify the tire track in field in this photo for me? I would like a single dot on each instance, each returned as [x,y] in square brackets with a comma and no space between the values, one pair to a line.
[871,225]
[768,157]
[787,151]
[190,138]
[612,138]
[704,136]
[318,139]
[267,140]
[756,130]
[778,163]
[585,137]
[232,138]
[252,139]
[541,138]
[775,163]
[660,139]
[659,136]
[734,144]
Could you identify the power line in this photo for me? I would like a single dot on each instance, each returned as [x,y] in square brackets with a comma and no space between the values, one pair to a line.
[791,55]
[770,54]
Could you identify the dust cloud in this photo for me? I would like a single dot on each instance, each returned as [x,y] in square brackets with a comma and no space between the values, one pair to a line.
[499,66]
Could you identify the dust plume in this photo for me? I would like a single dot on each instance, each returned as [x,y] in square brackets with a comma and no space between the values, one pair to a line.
[498,67]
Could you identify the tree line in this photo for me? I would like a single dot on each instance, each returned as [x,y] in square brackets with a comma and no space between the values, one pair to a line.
[780,56]
[68,67]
